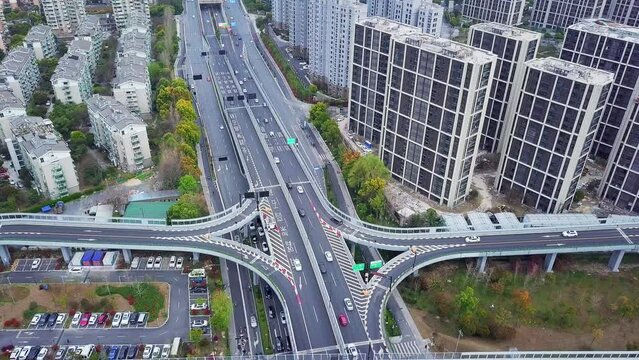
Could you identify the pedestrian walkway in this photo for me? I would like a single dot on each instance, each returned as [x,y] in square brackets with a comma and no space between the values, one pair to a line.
[407,349]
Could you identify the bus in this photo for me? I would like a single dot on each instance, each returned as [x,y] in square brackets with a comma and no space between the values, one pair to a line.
[175,348]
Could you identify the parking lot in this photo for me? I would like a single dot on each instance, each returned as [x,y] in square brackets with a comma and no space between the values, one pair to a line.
[48,321]
[165,263]
[45,264]
[116,351]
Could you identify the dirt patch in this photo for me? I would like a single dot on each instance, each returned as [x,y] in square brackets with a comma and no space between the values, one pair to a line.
[63,297]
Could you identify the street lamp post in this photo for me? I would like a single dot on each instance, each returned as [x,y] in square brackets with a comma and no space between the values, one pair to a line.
[460,334]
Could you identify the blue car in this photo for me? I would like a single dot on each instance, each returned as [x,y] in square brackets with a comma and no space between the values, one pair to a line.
[113,353]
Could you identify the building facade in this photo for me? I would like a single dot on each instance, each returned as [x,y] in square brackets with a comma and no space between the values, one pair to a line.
[279,8]
[559,107]
[10,106]
[369,74]
[19,73]
[421,13]
[122,9]
[121,133]
[560,14]
[509,12]
[40,38]
[298,23]
[513,47]
[64,15]
[435,104]
[132,85]
[623,11]
[72,79]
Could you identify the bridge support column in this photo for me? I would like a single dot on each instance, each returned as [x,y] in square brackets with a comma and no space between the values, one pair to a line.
[66,254]
[481,264]
[353,248]
[5,255]
[615,260]
[256,279]
[549,262]
[196,257]
[126,253]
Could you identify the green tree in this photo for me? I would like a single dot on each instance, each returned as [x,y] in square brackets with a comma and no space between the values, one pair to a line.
[39,97]
[68,117]
[318,113]
[467,302]
[77,144]
[186,207]
[185,110]
[189,132]
[188,184]
[330,133]
[364,168]
[16,41]
[428,218]
[222,309]
[196,335]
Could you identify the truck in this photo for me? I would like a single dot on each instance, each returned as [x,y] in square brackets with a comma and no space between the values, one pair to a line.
[175,347]
[87,257]
[96,260]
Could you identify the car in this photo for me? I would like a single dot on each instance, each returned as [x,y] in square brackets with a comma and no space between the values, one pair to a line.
[75,270]
[265,120]
[336,221]
[113,353]
[201,306]
[133,351]
[328,256]
[122,353]
[244,91]
[60,319]
[252,226]
[264,246]
[35,264]
[198,289]
[569,233]
[276,160]
[158,262]
[125,318]
[271,312]
[42,353]
[472,239]
[241,82]
[253,321]
[76,319]
[349,304]
[221,127]
[84,320]
[43,319]
[179,262]
[282,317]
[135,262]
[133,319]
[254,240]
[301,212]
[257,101]
[278,343]
[172,262]
[352,350]
[52,319]
[264,104]
[268,293]
[297,264]
[343,320]
[322,267]
[271,134]
[15,352]
[59,355]
[260,231]
[93,319]
[156,352]
[24,352]
[199,323]
[117,320]
[149,263]
[166,349]
[289,185]
[147,351]
[103,318]
[35,320]
[300,189]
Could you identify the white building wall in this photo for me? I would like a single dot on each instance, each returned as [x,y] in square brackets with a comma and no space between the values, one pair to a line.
[135,96]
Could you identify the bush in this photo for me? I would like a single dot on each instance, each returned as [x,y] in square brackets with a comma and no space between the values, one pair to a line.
[145,297]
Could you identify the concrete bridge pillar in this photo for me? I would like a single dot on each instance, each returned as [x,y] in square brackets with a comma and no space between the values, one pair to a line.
[196,257]
[66,254]
[549,262]
[353,248]
[481,264]
[615,260]
[126,253]
[5,255]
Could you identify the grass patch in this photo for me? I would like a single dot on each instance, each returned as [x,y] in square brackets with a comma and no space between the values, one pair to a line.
[34,308]
[262,321]
[329,189]
[392,328]
[144,297]
[10,294]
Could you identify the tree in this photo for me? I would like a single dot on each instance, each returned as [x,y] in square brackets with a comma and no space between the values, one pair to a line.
[39,97]
[366,167]
[185,208]
[185,110]
[318,113]
[68,117]
[330,132]
[466,301]
[188,184]
[77,144]
[222,308]
[189,132]
[348,158]
[16,41]
[189,166]
[196,335]
[47,67]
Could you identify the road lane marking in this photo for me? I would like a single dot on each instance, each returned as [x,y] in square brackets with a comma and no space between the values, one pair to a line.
[625,236]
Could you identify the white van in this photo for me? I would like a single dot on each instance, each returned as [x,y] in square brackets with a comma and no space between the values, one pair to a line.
[141,318]
[135,262]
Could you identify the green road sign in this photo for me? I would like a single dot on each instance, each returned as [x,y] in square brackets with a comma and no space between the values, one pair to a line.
[359,267]
[291,141]
[376,264]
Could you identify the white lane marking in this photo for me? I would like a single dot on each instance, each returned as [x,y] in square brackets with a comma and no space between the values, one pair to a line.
[625,236]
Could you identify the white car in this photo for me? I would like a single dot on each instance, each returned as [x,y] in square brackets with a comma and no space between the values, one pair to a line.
[178,264]
[569,233]
[201,306]
[165,351]
[125,319]
[76,319]
[156,352]
[158,262]
[253,321]
[75,270]
[43,352]
[297,264]
[36,319]
[264,246]
[117,319]
[352,350]
[199,323]
[472,239]
[329,256]
[14,353]
[149,263]
[300,189]
[147,351]
[93,319]
[260,231]
[276,159]
[35,264]
[60,319]
[172,262]
[24,352]
[349,304]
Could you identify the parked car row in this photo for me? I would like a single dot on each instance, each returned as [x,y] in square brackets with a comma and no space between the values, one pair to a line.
[47,320]
[156,262]
[109,352]
[120,319]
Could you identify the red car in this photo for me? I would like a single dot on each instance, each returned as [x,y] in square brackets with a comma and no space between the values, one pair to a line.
[102,318]
[84,320]
[343,320]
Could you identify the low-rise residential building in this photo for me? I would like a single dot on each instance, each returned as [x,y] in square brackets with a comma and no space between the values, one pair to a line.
[124,9]
[135,40]
[10,106]
[121,133]
[40,38]
[19,72]
[91,29]
[36,146]
[132,85]
[64,15]
[71,79]
[88,48]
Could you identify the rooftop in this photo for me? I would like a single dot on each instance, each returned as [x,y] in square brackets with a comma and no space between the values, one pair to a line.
[507,31]
[148,209]
[90,26]
[8,100]
[71,67]
[134,41]
[608,28]
[17,60]
[80,45]
[448,48]
[39,33]
[572,71]
[389,26]
[131,68]
[38,135]
[112,112]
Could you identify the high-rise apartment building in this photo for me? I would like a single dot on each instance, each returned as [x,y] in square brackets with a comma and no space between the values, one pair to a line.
[19,73]
[623,11]
[3,28]
[612,47]
[369,74]
[435,104]
[509,12]
[329,41]
[421,13]
[72,79]
[132,86]
[122,9]
[559,105]
[40,38]
[64,15]
[560,14]
[298,26]
[279,9]
[513,47]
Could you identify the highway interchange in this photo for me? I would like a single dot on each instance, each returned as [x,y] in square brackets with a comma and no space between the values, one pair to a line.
[258,129]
